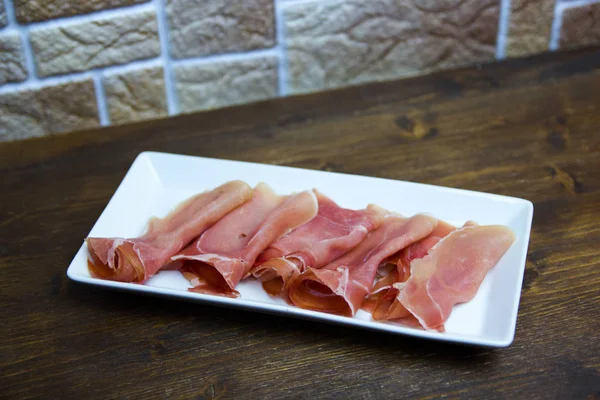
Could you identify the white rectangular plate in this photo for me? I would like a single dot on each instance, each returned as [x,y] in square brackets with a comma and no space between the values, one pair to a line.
[156,182]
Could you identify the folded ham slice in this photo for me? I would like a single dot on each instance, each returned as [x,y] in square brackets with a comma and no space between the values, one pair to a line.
[225,253]
[341,286]
[332,233]
[452,272]
[137,259]
[383,302]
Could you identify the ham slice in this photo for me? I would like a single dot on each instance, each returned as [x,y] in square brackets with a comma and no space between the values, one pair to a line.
[225,253]
[332,233]
[452,272]
[341,286]
[137,259]
[382,301]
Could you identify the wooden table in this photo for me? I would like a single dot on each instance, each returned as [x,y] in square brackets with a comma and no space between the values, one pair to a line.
[525,128]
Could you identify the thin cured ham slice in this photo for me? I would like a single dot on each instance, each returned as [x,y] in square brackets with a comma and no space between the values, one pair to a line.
[341,286]
[137,259]
[421,248]
[332,233]
[382,301]
[452,272]
[225,253]
[214,263]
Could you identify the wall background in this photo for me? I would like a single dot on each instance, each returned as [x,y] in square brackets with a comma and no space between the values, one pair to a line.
[69,65]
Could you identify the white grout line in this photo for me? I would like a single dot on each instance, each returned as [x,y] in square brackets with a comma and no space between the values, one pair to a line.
[163,34]
[101,99]
[26,86]
[38,83]
[503,27]
[130,66]
[227,57]
[28,54]
[556,25]
[281,46]
[11,18]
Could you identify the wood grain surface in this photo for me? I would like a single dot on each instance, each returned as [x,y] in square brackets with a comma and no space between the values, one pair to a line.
[526,128]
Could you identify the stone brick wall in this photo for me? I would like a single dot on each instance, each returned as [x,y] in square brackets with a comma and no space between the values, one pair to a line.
[68,65]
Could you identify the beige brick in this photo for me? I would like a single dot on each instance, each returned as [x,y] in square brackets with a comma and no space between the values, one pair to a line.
[200,27]
[338,43]
[219,84]
[580,26]
[530,27]
[3,20]
[98,43]
[52,109]
[12,62]
[21,116]
[41,10]
[136,95]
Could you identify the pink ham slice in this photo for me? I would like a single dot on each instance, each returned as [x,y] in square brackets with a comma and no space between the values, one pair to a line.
[332,233]
[136,260]
[341,286]
[225,253]
[382,301]
[452,272]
